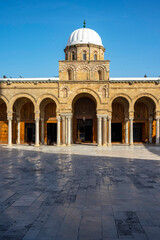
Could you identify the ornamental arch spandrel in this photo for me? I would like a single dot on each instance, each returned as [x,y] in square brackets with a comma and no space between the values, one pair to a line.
[48,96]
[85,91]
[21,95]
[147,95]
[124,97]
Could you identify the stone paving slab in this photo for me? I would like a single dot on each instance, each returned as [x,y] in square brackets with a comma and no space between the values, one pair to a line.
[65,196]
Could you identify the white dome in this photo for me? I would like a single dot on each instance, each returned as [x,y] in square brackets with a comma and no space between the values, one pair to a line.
[84,36]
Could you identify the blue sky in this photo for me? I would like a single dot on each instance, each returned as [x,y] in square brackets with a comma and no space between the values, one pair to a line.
[34,33]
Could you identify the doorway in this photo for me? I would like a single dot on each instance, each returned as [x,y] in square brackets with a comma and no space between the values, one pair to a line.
[116,132]
[137,132]
[30,133]
[51,133]
[84,131]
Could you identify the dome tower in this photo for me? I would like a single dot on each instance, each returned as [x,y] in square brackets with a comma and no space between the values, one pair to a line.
[84,57]
[84,44]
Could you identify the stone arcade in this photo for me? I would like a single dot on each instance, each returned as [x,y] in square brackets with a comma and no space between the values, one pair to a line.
[83,105]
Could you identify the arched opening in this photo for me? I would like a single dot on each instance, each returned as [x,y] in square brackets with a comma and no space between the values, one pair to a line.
[84,55]
[144,125]
[70,74]
[84,119]
[3,122]
[73,56]
[95,56]
[119,126]
[48,122]
[100,75]
[23,117]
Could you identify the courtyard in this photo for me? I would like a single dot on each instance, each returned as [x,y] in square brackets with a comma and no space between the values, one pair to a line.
[80,192]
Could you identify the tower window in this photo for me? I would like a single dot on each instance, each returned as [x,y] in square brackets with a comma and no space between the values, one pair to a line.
[73,56]
[69,74]
[84,55]
[66,56]
[100,74]
[95,57]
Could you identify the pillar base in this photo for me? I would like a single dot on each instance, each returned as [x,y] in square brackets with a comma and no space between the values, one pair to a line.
[109,144]
[9,145]
[68,145]
[99,145]
[104,145]
[37,145]
[131,144]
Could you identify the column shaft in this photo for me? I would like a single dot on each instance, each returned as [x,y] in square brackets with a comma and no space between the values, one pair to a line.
[126,131]
[104,132]
[66,130]
[131,132]
[99,127]
[109,131]
[10,131]
[58,131]
[69,131]
[37,133]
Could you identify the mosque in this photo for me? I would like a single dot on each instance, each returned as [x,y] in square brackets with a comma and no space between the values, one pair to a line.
[83,105]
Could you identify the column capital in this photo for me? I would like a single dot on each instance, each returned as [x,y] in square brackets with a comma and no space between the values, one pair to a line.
[131,118]
[109,117]
[9,117]
[157,118]
[150,119]
[58,118]
[42,118]
[99,116]
[37,119]
[66,114]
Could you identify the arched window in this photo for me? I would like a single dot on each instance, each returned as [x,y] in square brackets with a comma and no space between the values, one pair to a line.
[84,56]
[73,56]
[103,92]
[70,74]
[95,56]
[65,92]
[100,74]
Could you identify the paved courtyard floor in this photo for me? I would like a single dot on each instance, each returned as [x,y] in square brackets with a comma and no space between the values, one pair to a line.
[80,193]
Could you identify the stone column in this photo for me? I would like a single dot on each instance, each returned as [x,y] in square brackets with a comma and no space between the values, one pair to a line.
[58,131]
[42,130]
[126,130]
[104,131]
[109,131]
[37,132]
[63,130]
[69,130]
[157,131]
[9,130]
[99,128]
[150,129]
[18,131]
[66,130]
[131,132]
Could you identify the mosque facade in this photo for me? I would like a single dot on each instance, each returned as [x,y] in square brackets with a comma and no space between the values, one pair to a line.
[83,105]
